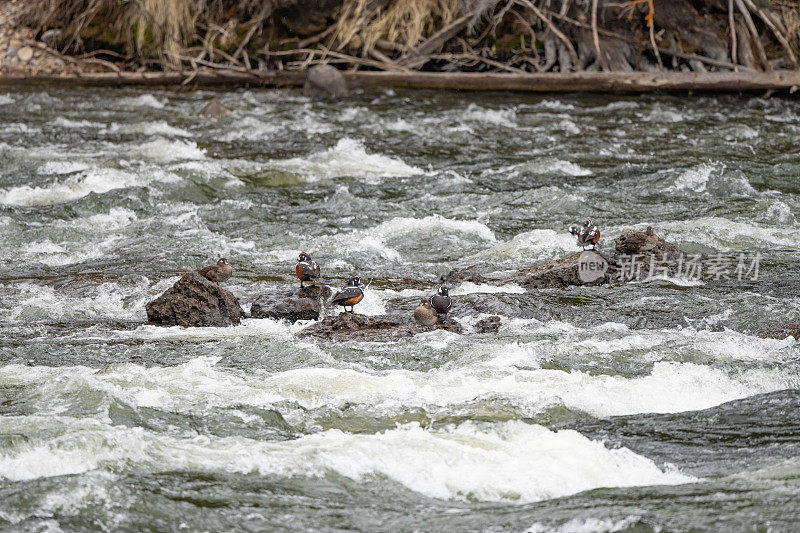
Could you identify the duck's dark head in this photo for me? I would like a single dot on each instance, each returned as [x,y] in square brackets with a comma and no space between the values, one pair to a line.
[222,261]
[587,223]
[303,257]
[444,291]
[354,281]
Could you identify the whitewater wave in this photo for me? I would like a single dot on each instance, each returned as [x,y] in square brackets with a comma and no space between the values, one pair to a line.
[721,233]
[163,150]
[712,178]
[511,371]
[348,157]
[96,180]
[510,461]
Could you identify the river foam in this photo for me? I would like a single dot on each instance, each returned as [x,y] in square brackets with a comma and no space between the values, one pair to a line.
[348,157]
[512,461]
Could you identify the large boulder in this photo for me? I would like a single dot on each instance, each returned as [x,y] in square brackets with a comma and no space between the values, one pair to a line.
[584,268]
[325,81]
[354,327]
[195,301]
[292,305]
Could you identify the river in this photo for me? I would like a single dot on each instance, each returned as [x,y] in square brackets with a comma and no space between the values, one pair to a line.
[649,406]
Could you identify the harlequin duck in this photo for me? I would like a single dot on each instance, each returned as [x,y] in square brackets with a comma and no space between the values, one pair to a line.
[424,314]
[219,272]
[349,295]
[587,235]
[306,269]
[441,301]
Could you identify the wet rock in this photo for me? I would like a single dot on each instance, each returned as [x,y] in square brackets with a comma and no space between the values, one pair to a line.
[25,54]
[490,324]
[214,109]
[11,53]
[325,81]
[560,273]
[353,327]
[195,301]
[455,277]
[300,304]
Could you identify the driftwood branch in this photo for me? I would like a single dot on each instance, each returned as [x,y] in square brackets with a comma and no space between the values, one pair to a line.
[732,25]
[415,57]
[751,27]
[598,82]
[573,55]
[666,51]
[775,31]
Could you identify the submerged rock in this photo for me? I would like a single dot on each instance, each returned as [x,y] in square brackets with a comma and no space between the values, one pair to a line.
[351,326]
[490,324]
[195,301]
[214,108]
[455,277]
[304,303]
[325,81]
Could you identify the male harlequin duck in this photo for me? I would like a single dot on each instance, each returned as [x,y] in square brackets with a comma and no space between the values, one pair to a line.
[441,301]
[219,272]
[350,295]
[424,314]
[306,269]
[587,235]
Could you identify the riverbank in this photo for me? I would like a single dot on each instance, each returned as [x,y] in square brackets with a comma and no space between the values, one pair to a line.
[682,46]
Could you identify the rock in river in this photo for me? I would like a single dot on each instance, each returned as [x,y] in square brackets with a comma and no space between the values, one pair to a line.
[195,301]
[351,326]
[490,324]
[304,303]
[325,81]
[584,268]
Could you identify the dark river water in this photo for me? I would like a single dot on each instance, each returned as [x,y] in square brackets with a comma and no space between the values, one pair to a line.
[650,406]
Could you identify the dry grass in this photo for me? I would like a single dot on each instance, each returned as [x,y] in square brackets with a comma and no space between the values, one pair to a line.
[147,28]
[403,22]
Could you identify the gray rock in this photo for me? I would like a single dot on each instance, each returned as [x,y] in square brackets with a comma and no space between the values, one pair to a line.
[214,109]
[353,327]
[490,324]
[11,52]
[455,277]
[301,304]
[325,81]
[556,274]
[51,37]
[195,301]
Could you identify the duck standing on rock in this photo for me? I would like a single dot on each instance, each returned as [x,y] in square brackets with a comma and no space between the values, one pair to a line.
[587,235]
[307,269]
[349,295]
[218,272]
[425,315]
[441,301]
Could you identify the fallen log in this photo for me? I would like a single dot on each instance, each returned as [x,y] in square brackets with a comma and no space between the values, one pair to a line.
[595,82]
